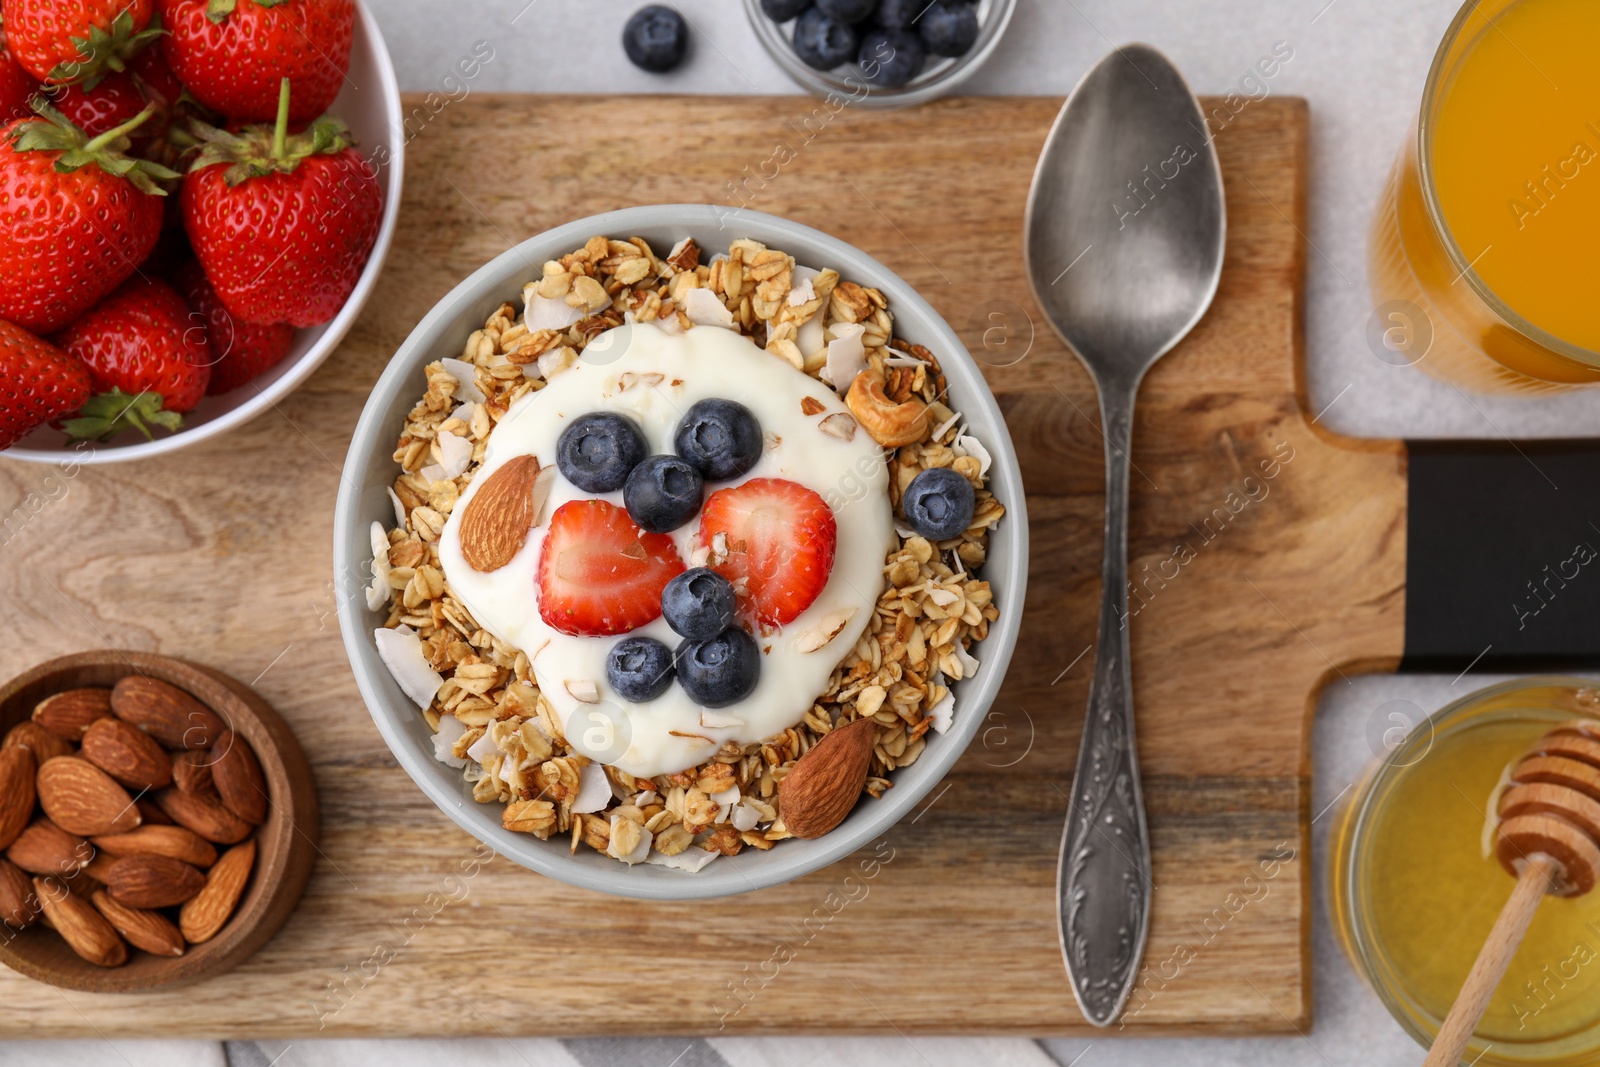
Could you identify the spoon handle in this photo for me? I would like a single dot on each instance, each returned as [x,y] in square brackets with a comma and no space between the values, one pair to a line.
[1103,881]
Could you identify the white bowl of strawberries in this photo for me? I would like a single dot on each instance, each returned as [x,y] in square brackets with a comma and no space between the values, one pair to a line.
[196,199]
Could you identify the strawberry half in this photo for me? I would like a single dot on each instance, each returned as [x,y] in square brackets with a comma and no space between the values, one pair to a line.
[780,538]
[600,574]
[38,382]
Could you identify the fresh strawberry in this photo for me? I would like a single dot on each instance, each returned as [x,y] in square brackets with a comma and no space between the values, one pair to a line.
[38,382]
[600,574]
[17,87]
[779,538]
[140,340]
[77,217]
[283,225]
[233,53]
[62,41]
[240,350]
[119,97]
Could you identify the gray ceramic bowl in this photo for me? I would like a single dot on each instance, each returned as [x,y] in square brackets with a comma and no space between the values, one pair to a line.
[370,468]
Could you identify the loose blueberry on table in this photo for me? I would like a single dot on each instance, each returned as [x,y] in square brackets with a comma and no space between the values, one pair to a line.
[890,40]
[656,38]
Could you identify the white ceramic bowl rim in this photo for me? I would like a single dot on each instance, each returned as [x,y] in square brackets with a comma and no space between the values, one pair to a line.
[282,380]
[363,499]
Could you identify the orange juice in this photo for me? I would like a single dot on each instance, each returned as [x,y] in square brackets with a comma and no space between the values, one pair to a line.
[1487,245]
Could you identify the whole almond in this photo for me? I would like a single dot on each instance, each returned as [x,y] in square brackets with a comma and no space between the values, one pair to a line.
[83,928]
[82,799]
[237,775]
[202,917]
[175,842]
[127,753]
[149,930]
[17,771]
[191,772]
[45,848]
[825,784]
[208,818]
[495,525]
[165,712]
[19,905]
[36,739]
[99,868]
[69,714]
[152,881]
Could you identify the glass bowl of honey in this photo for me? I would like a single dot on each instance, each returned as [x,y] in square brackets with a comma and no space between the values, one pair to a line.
[1482,255]
[1416,886]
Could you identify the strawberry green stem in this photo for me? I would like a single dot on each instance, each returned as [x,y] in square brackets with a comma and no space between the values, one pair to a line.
[280,133]
[127,127]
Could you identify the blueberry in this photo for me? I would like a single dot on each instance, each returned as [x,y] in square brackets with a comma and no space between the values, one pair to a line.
[656,38]
[783,10]
[938,503]
[822,42]
[847,10]
[890,58]
[662,494]
[949,27]
[597,452]
[719,438]
[900,14]
[639,668]
[698,603]
[719,671]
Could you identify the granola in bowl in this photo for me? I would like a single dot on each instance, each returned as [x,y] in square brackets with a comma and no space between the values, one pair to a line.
[520,706]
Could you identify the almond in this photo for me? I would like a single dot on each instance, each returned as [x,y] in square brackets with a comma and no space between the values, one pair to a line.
[82,799]
[203,916]
[17,770]
[126,753]
[237,775]
[152,881]
[825,784]
[175,842]
[69,714]
[191,772]
[19,905]
[148,930]
[36,739]
[150,813]
[83,928]
[45,848]
[165,712]
[208,818]
[497,520]
[99,868]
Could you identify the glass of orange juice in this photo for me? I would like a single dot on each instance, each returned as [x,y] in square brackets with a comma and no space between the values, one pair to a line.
[1485,252]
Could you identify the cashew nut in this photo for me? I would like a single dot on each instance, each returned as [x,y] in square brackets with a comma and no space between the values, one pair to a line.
[890,424]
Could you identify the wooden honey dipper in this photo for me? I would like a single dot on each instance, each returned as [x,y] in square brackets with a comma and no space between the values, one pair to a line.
[1549,839]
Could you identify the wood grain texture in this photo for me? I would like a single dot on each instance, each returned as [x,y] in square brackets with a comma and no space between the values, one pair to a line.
[221,553]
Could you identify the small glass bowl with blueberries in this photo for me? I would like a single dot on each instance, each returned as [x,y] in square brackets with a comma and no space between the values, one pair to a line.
[880,53]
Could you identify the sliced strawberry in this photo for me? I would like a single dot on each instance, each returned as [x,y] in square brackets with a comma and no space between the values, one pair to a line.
[779,542]
[600,574]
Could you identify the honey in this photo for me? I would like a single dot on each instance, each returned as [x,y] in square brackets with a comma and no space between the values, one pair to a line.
[1417,890]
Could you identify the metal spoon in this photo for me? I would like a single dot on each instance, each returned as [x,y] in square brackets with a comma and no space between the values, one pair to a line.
[1124,239]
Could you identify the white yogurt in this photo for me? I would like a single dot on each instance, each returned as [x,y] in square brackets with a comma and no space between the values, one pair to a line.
[654,377]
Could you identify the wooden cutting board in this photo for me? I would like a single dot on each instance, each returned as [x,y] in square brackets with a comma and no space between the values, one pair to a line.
[1269,556]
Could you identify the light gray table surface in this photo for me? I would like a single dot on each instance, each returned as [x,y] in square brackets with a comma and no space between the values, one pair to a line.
[1361,64]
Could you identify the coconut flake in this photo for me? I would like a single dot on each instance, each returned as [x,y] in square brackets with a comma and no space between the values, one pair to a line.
[801,292]
[378,588]
[679,248]
[466,382]
[594,789]
[483,749]
[692,860]
[943,713]
[968,445]
[444,741]
[945,425]
[705,309]
[726,799]
[543,313]
[640,851]
[668,324]
[434,473]
[399,508]
[744,818]
[969,662]
[716,720]
[583,689]
[847,355]
[401,651]
[645,799]
[555,361]
[456,453]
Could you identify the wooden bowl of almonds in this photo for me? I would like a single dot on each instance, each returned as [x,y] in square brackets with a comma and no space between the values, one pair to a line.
[158,822]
